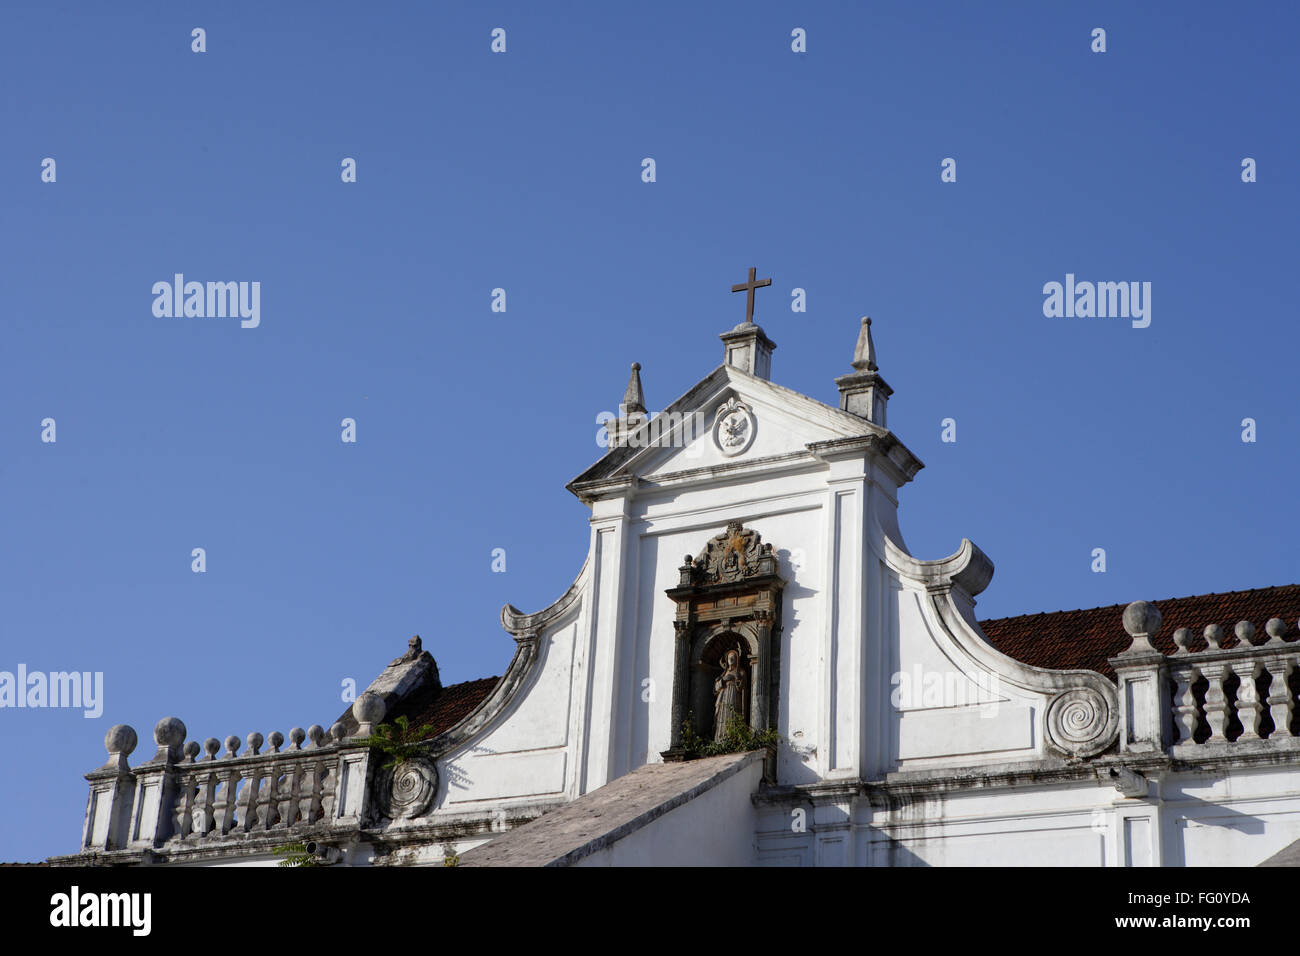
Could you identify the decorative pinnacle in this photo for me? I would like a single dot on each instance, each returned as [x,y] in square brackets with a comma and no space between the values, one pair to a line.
[864,356]
[1142,621]
[633,398]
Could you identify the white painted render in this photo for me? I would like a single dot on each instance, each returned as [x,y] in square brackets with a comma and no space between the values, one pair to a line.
[858,609]
[984,761]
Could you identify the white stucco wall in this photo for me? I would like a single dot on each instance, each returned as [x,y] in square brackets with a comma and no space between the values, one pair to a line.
[854,612]
[859,615]
[1240,819]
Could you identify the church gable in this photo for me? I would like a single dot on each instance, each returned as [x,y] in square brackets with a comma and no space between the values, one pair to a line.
[729,418]
[746,586]
[744,419]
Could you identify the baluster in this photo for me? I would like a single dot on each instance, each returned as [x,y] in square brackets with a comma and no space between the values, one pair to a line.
[1216,704]
[190,791]
[225,809]
[327,782]
[183,810]
[310,802]
[275,792]
[203,813]
[291,812]
[1186,715]
[255,799]
[207,797]
[1248,706]
[248,820]
[1280,704]
[313,808]
[289,805]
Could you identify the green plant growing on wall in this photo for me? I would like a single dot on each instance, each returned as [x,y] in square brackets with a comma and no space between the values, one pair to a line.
[739,737]
[295,854]
[398,741]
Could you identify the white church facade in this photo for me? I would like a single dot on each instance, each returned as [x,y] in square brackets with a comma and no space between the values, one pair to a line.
[746,579]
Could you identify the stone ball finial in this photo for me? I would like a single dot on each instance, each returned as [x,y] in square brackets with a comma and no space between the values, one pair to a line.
[120,739]
[1182,638]
[1275,628]
[338,731]
[254,743]
[232,745]
[1141,618]
[169,732]
[1213,637]
[636,366]
[1141,621]
[369,708]
[213,747]
[316,734]
[192,750]
[296,736]
[1245,632]
[276,740]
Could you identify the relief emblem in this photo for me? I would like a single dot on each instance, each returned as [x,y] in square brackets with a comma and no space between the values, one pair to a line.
[733,427]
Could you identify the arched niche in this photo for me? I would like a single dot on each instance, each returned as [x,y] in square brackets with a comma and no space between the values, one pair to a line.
[708,666]
[728,598]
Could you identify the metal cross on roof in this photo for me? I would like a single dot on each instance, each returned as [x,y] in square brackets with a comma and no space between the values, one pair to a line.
[749,288]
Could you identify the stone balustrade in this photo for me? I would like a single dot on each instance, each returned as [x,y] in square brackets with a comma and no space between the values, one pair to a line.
[181,801]
[1207,701]
[1234,695]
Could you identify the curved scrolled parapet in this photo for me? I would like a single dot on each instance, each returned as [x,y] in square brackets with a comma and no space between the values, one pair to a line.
[969,568]
[518,623]
[526,629]
[1080,716]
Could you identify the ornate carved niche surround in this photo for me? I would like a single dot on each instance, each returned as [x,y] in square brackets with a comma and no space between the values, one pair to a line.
[728,597]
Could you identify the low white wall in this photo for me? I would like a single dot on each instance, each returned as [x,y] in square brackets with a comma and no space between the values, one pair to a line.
[714,829]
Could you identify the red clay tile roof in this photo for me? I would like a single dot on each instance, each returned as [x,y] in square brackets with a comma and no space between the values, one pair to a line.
[1073,639]
[444,708]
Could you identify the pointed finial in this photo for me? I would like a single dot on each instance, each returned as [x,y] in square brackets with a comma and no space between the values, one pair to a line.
[863,392]
[633,398]
[864,356]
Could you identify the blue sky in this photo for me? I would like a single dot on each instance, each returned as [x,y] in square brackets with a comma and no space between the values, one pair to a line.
[522,171]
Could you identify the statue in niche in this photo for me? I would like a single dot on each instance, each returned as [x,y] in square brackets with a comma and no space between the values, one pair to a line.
[729,694]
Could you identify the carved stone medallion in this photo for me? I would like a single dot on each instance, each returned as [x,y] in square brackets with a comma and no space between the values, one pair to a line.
[733,427]
[1081,722]
[730,556]
[408,789]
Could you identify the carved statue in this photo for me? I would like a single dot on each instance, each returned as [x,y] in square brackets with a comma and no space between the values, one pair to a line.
[414,647]
[729,691]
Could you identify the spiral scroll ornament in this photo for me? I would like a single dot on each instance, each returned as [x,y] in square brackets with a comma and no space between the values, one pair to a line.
[1082,722]
[408,789]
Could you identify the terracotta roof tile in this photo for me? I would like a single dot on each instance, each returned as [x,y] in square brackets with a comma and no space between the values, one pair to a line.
[446,707]
[1087,638]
